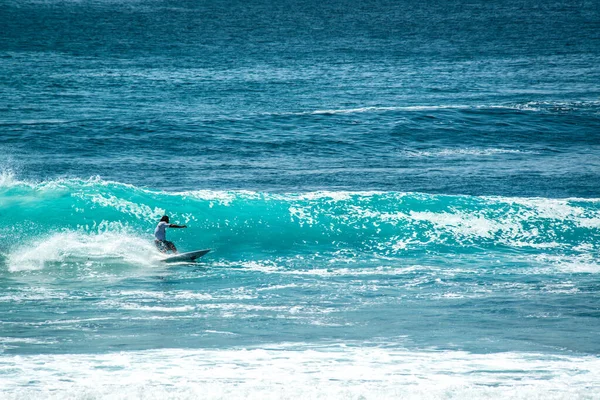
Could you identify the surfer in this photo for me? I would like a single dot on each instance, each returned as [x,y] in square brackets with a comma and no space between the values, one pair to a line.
[160,235]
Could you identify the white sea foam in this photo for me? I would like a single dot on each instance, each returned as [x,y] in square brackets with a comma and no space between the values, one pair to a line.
[82,247]
[269,267]
[8,179]
[550,105]
[471,151]
[376,109]
[221,332]
[535,106]
[218,196]
[299,371]
[140,211]
[543,208]
[582,263]
[461,224]
[227,197]
[26,340]
[138,307]
[280,287]
[171,295]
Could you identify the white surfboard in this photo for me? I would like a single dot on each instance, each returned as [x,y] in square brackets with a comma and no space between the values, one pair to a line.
[183,257]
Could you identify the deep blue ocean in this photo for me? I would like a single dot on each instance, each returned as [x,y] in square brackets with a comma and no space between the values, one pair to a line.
[401,197]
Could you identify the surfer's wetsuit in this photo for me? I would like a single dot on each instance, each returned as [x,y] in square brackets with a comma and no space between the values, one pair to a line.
[160,235]
[164,245]
[160,238]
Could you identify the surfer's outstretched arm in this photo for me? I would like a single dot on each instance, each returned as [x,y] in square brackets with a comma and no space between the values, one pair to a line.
[177,226]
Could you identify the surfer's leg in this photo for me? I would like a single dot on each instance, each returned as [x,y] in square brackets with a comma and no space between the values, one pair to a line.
[171,246]
[160,245]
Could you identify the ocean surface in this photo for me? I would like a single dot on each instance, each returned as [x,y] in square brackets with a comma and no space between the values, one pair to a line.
[401,197]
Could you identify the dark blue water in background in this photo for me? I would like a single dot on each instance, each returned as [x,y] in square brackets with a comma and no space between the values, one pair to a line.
[401,197]
[457,97]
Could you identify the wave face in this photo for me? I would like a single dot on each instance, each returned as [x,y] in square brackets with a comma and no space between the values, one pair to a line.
[383,224]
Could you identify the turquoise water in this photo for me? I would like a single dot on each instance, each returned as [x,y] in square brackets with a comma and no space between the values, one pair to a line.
[401,199]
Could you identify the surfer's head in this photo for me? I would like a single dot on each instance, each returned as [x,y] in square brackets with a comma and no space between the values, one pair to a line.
[165,218]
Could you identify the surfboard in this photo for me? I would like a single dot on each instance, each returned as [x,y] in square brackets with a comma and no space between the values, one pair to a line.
[183,257]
